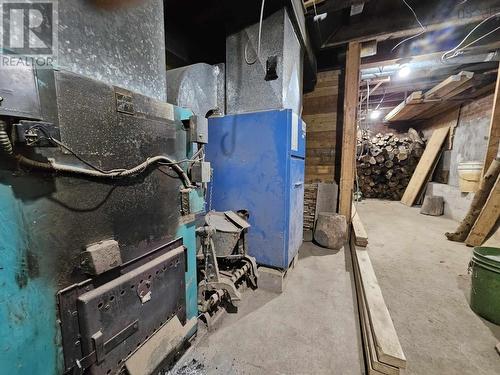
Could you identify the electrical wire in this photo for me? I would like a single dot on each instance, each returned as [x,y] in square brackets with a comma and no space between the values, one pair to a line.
[380,102]
[413,36]
[260,34]
[53,165]
[456,50]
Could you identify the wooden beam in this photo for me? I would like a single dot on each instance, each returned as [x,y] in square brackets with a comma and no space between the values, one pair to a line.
[399,25]
[494,134]
[487,218]
[310,3]
[360,236]
[424,166]
[348,160]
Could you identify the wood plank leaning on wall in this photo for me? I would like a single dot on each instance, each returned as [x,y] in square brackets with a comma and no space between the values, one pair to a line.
[348,161]
[494,137]
[320,115]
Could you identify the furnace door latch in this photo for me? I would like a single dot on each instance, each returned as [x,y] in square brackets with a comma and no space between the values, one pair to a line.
[101,347]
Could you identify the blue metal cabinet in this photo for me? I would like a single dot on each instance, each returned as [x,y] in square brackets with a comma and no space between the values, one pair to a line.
[258,164]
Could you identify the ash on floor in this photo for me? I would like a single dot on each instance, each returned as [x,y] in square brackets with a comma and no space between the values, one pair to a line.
[194,367]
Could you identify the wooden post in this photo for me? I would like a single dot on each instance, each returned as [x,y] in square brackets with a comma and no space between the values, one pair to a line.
[348,161]
[492,150]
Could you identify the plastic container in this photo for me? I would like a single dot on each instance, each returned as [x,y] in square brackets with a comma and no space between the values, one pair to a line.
[485,283]
[469,175]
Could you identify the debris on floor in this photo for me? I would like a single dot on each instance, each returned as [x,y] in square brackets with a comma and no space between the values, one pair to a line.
[194,367]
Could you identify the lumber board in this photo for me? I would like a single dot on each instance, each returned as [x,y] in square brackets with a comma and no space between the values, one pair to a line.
[404,109]
[449,85]
[434,101]
[387,345]
[421,195]
[414,110]
[494,132]
[487,218]
[424,166]
[439,108]
[360,235]
[394,112]
[460,89]
[372,363]
[348,156]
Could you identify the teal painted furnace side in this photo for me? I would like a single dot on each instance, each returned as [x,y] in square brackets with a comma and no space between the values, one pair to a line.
[30,342]
[188,233]
[29,333]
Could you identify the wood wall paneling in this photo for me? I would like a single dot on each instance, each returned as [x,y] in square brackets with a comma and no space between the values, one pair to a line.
[320,115]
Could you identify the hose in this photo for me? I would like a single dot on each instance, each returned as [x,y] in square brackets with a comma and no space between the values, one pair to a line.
[54,166]
[5,144]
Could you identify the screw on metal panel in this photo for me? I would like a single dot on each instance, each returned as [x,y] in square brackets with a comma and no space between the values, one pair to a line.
[77,343]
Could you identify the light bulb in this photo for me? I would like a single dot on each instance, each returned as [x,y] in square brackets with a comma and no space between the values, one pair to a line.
[404,71]
[375,114]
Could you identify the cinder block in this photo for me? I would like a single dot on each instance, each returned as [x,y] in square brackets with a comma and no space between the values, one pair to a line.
[274,280]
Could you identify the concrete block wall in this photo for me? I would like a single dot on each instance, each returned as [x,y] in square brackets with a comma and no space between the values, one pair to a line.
[471,135]
[469,144]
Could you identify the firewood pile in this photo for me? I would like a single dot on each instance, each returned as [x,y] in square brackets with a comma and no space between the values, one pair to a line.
[310,192]
[386,162]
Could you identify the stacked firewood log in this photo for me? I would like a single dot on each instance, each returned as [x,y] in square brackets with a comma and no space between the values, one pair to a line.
[385,162]
[310,193]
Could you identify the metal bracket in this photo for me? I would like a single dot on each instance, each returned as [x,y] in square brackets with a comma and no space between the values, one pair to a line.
[36,133]
[98,340]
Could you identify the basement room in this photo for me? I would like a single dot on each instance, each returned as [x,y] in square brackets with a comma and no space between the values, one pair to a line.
[258,187]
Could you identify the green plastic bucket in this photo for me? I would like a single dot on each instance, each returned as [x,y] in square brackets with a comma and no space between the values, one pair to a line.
[485,283]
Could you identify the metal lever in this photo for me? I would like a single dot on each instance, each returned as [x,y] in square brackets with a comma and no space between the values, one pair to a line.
[102,348]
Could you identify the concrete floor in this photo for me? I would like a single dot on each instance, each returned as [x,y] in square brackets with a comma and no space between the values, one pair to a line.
[311,328]
[425,284]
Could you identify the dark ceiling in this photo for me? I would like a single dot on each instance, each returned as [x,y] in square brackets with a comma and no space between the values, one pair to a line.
[196,29]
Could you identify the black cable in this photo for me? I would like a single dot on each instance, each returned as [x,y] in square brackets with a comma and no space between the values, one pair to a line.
[67,148]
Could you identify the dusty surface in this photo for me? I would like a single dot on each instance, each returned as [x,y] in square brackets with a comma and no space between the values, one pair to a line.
[425,284]
[311,328]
